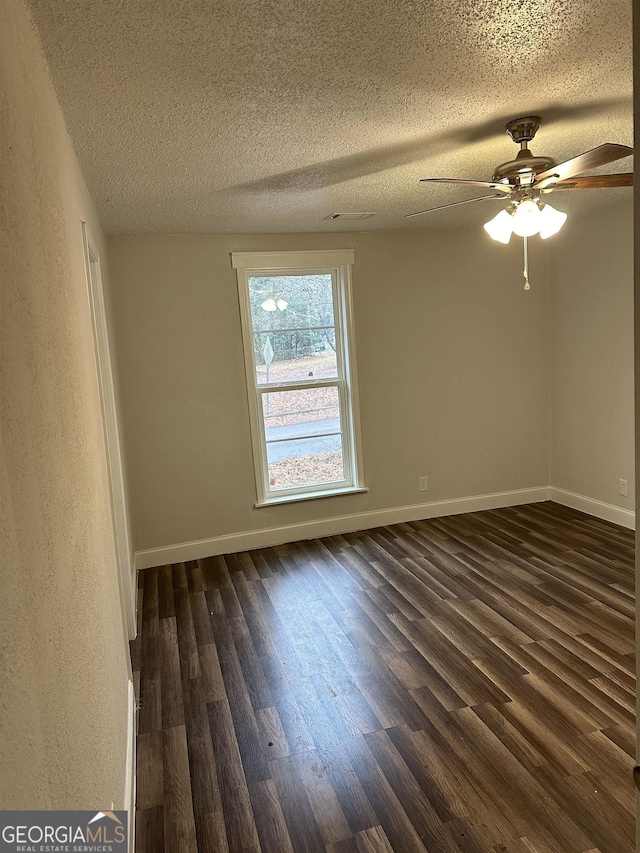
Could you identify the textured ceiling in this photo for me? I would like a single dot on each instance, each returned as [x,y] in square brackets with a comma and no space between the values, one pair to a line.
[269,115]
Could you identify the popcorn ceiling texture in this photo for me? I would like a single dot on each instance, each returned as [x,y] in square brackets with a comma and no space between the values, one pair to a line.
[63,669]
[267,115]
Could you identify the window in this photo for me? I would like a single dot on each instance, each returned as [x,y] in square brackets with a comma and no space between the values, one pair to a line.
[298,347]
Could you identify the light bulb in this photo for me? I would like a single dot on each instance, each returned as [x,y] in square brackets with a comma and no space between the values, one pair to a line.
[500,227]
[282,304]
[551,221]
[527,218]
[269,304]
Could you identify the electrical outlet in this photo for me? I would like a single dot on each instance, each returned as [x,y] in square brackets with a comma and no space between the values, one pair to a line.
[622,488]
[424,484]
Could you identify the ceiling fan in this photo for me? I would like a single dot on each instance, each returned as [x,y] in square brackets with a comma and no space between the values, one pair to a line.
[530,177]
[526,181]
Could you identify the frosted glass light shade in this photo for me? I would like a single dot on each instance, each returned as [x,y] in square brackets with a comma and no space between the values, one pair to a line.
[527,218]
[500,227]
[551,221]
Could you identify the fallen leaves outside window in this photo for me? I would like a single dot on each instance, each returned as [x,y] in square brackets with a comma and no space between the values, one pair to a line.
[307,470]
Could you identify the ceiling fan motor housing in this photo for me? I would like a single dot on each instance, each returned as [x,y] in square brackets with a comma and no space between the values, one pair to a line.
[522,131]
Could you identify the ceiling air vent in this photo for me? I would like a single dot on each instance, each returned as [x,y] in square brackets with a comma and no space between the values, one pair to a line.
[349,215]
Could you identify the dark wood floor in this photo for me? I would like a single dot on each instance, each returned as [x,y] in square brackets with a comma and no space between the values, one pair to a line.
[459,684]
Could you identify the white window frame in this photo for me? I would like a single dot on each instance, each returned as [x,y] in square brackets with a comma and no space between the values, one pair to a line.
[336,263]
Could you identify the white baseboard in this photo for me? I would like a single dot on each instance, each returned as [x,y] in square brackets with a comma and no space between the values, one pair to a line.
[251,539]
[608,512]
[248,540]
[130,771]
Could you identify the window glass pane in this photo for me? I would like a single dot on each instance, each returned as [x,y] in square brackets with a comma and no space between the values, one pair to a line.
[304,438]
[305,462]
[297,414]
[291,302]
[295,355]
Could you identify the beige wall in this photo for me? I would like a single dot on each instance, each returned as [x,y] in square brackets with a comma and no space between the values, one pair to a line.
[452,359]
[591,337]
[63,680]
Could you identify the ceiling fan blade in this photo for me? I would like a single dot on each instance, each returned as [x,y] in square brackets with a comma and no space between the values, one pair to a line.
[593,182]
[599,156]
[490,185]
[454,203]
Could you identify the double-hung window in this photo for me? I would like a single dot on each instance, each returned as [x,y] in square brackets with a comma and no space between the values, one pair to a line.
[299,359]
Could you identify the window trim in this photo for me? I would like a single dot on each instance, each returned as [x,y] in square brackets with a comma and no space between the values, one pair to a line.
[338,264]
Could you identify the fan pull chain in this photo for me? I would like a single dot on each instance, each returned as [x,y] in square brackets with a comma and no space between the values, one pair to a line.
[527,286]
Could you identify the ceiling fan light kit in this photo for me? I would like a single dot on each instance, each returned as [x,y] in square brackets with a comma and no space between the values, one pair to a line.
[523,180]
[525,219]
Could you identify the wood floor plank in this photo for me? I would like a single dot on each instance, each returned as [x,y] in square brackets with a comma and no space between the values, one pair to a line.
[200,614]
[210,682]
[303,830]
[373,840]
[150,698]
[187,643]
[238,814]
[166,605]
[253,754]
[416,804]
[202,764]
[150,830]
[270,822]
[593,810]
[624,737]
[271,732]
[150,779]
[322,797]
[522,790]
[451,789]
[462,684]
[211,833]
[331,738]
[179,823]
[392,817]
[252,671]
[171,698]
[611,773]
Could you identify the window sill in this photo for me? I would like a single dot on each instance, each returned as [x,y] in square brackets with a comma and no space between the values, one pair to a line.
[310,496]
